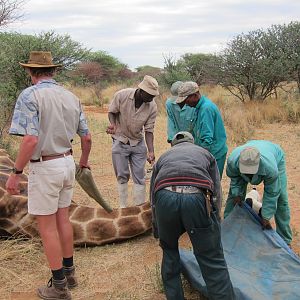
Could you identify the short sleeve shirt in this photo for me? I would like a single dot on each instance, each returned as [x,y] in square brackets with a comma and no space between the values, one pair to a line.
[52,113]
[132,122]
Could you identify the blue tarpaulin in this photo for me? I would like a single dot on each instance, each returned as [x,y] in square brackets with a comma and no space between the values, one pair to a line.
[260,264]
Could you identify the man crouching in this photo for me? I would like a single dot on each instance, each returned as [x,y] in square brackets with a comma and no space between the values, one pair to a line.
[184,182]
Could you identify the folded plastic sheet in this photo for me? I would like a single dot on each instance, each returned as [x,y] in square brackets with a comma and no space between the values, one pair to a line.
[260,264]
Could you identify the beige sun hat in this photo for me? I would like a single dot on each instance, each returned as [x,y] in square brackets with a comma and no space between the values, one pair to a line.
[40,59]
[182,136]
[186,89]
[249,160]
[149,85]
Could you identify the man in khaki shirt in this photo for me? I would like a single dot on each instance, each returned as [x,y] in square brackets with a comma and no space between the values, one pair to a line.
[131,113]
[48,117]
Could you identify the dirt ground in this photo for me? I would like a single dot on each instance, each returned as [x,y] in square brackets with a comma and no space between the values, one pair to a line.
[130,270]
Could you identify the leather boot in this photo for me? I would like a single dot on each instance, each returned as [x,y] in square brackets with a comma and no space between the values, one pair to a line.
[139,193]
[123,194]
[54,290]
[71,278]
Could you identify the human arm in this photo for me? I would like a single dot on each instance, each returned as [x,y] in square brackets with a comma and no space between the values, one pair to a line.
[26,151]
[111,129]
[86,145]
[171,127]
[271,194]
[238,185]
[113,111]
[215,176]
[149,137]
[152,201]
[205,128]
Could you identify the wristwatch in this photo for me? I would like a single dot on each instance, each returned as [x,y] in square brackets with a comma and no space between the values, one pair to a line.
[15,171]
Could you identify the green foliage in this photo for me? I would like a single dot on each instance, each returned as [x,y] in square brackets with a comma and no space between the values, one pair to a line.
[173,71]
[200,67]
[255,64]
[289,42]
[15,48]
[110,65]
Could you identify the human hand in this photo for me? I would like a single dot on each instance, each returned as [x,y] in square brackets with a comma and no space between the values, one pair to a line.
[266,224]
[84,165]
[12,184]
[111,129]
[151,158]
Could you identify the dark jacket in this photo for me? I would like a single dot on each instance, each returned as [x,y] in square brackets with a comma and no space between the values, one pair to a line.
[186,164]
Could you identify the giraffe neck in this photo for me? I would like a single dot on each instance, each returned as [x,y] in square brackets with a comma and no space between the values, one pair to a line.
[91,226]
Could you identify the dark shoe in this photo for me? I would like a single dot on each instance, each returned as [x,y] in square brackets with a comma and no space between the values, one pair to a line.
[55,290]
[71,278]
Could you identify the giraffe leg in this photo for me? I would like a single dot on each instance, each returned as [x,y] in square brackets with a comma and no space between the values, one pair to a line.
[123,194]
[139,193]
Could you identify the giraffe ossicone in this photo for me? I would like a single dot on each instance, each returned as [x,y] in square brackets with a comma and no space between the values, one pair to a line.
[92,226]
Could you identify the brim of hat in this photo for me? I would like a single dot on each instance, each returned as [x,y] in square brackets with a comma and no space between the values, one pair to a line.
[248,169]
[180,99]
[39,66]
[149,91]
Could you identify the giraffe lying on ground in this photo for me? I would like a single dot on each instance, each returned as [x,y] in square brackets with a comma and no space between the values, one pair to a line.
[92,226]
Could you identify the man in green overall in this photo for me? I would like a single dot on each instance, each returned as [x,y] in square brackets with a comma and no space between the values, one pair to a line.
[255,162]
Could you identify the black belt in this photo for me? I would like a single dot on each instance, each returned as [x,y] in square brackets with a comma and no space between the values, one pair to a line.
[50,157]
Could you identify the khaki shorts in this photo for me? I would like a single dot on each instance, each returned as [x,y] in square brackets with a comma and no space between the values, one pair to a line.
[50,185]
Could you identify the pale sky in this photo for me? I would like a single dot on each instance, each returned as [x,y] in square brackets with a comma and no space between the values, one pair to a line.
[142,32]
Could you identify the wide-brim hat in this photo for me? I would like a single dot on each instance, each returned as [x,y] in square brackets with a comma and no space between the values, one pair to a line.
[249,160]
[186,89]
[40,59]
[149,85]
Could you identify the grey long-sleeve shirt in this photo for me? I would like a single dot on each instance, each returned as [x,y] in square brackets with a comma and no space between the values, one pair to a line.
[186,164]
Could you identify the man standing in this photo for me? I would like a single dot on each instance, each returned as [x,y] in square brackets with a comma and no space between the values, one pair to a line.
[131,113]
[183,183]
[48,117]
[255,162]
[180,116]
[209,131]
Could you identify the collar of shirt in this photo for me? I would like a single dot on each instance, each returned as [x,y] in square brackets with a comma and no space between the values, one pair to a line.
[200,102]
[47,81]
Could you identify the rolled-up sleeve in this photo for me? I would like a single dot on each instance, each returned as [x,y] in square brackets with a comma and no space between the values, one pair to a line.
[25,120]
[149,125]
[114,106]
[83,129]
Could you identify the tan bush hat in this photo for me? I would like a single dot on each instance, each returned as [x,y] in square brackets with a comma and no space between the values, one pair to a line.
[188,88]
[182,136]
[149,85]
[249,160]
[40,59]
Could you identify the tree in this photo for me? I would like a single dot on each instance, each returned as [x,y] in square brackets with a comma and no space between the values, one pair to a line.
[253,66]
[110,65]
[289,43]
[173,71]
[200,67]
[15,48]
[10,11]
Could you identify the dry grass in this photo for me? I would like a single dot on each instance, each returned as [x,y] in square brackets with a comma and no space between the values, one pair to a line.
[19,257]
[131,270]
